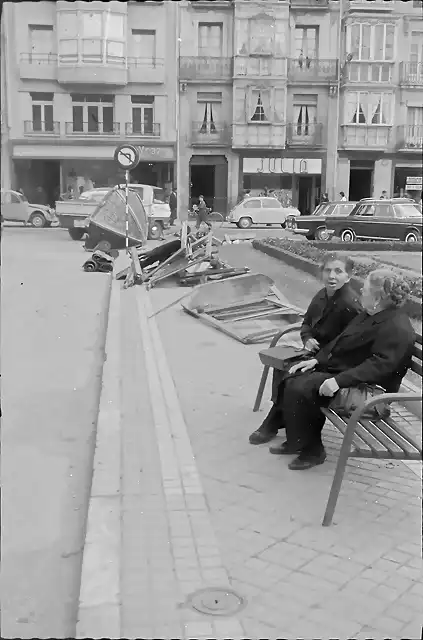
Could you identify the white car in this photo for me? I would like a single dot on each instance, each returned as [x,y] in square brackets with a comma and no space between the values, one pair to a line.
[260,210]
[16,208]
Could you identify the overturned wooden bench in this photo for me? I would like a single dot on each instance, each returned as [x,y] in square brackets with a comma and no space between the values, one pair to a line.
[386,439]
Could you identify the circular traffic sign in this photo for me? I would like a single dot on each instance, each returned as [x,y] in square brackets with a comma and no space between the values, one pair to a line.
[127,156]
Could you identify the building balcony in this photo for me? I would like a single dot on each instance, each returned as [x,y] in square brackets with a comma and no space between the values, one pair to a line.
[362,136]
[92,61]
[410,138]
[44,129]
[210,134]
[38,66]
[260,66]
[89,129]
[310,70]
[411,74]
[379,6]
[258,135]
[142,130]
[304,135]
[368,72]
[309,4]
[199,68]
[149,70]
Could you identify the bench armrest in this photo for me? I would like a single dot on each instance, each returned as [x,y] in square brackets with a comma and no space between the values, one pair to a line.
[292,327]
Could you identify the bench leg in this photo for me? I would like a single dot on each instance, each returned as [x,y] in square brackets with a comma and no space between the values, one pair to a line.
[338,477]
[260,390]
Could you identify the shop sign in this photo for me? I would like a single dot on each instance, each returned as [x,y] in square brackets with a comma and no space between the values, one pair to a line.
[156,153]
[414,183]
[311,166]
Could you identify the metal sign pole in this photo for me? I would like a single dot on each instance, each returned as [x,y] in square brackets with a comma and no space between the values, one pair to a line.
[127,211]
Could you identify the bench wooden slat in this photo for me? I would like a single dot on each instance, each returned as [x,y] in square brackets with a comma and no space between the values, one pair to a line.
[374,429]
[417,351]
[418,338]
[404,434]
[416,367]
[358,443]
[405,442]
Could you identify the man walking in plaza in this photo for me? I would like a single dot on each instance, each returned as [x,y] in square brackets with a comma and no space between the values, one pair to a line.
[173,204]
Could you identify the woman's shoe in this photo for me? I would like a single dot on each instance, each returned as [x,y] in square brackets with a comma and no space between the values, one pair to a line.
[268,428]
[284,449]
[307,461]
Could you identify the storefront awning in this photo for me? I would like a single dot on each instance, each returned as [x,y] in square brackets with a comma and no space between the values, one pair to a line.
[90,152]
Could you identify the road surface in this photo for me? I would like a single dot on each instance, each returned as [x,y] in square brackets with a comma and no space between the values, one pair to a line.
[53,329]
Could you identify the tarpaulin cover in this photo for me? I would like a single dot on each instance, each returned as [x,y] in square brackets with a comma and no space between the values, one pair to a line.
[111,215]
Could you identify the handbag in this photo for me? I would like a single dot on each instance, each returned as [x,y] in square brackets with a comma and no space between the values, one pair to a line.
[348,399]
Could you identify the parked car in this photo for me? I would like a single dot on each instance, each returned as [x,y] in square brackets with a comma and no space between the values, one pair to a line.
[260,210]
[371,219]
[16,208]
[313,227]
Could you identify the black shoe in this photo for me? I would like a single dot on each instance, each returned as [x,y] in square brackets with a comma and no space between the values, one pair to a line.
[284,449]
[261,436]
[268,428]
[307,461]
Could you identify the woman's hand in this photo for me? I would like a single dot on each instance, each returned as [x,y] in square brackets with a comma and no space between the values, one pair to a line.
[304,366]
[312,345]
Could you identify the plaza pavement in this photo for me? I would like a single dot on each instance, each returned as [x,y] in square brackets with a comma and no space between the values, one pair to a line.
[181,501]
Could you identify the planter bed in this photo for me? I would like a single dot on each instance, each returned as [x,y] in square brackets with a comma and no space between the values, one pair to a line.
[362,246]
[306,256]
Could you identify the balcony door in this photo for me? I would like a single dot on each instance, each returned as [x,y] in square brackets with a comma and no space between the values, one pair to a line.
[305,115]
[41,43]
[142,115]
[208,110]
[414,129]
[92,114]
[210,40]
[306,43]
[42,113]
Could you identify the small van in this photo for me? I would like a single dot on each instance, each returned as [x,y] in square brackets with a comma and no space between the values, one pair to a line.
[260,210]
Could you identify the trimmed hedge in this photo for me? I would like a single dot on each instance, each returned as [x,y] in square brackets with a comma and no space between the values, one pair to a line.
[359,245]
[304,256]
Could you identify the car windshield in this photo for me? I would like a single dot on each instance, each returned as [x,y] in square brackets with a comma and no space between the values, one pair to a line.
[408,210]
[159,195]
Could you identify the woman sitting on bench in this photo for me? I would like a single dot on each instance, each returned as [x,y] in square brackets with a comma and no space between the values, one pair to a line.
[374,349]
[330,311]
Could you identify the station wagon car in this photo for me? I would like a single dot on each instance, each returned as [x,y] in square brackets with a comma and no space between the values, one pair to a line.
[313,227]
[260,210]
[393,219]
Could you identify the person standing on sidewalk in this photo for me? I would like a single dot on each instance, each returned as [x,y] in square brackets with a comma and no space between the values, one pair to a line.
[173,205]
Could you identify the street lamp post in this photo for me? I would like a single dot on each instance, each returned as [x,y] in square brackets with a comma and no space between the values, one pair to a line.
[338,100]
[177,111]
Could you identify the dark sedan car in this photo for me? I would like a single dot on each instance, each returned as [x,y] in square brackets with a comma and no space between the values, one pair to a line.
[394,219]
[314,227]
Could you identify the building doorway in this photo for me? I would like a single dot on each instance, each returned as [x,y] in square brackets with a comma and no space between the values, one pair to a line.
[361,183]
[305,191]
[202,184]
[209,177]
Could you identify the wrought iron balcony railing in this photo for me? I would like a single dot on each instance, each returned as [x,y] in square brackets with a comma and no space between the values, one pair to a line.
[304,135]
[411,73]
[367,71]
[38,128]
[92,129]
[309,4]
[143,129]
[410,137]
[38,58]
[211,134]
[205,68]
[366,136]
[310,69]
[244,66]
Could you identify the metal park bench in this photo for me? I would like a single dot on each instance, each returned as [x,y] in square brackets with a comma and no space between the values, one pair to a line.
[386,439]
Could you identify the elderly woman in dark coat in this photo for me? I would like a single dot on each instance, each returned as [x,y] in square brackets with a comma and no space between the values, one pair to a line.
[375,348]
[331,309]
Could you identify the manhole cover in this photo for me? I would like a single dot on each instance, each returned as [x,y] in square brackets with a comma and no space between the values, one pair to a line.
[216,601]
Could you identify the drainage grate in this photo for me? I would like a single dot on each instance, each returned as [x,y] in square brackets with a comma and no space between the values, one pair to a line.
[215,601]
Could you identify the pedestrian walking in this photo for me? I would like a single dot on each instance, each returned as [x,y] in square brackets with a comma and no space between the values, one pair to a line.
[324,198]
[384,195]
[203,212]
[343,196]
[173,204]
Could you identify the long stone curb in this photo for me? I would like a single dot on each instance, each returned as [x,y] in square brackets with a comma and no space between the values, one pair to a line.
[413,305]
[99,598]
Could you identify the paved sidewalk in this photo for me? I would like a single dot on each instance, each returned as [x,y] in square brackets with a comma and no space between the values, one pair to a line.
[201,507]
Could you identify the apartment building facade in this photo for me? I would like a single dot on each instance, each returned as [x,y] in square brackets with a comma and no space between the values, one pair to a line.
[80,79]
[301,96]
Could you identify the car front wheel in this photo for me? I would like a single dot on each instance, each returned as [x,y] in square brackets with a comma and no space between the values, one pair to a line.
[38,220]
[322,234]
[412,236]
[155,231]
[348,235]
[244,223]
